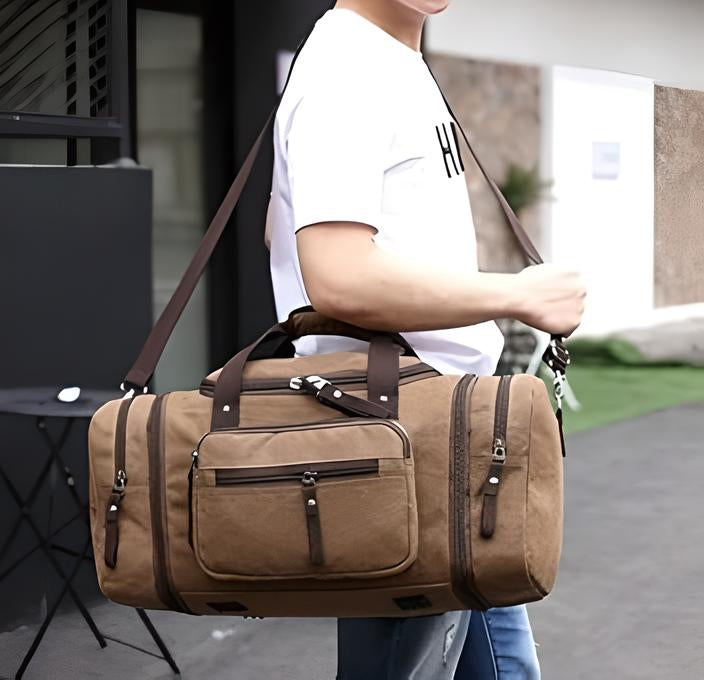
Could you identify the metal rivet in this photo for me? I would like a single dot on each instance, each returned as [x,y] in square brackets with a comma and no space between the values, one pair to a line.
[311,501]
[493,480]
[337,394]
[226,408]
[113,508]
[383,397]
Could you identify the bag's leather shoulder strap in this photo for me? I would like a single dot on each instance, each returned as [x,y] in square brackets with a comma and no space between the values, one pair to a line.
[524,241]
[143,368]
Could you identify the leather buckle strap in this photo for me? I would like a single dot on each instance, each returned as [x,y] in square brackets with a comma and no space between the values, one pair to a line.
[557,358]
[329,395]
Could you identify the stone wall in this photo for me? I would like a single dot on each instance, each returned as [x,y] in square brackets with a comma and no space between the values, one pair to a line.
[498,105]
[679,196]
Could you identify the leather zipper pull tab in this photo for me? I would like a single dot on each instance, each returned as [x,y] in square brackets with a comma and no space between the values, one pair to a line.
[491,489]
[315,536]
[558,415]
[112,513]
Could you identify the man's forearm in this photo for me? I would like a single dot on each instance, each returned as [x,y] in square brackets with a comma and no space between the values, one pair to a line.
[347,276]
[386,292]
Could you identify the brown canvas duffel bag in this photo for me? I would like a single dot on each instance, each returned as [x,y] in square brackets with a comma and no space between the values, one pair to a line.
[330,485]
[344,484]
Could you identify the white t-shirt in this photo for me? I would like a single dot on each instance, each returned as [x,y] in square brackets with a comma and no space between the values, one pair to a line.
[363,135]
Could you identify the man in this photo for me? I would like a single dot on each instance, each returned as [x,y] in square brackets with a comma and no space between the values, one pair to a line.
[370,222]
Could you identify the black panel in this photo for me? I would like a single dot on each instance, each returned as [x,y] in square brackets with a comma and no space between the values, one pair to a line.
[75,275]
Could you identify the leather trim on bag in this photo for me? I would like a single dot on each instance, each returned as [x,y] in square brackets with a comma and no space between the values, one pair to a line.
[157,507]
[459,483]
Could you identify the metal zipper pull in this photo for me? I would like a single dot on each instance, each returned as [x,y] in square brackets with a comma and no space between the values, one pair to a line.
[498,454]
[310,501]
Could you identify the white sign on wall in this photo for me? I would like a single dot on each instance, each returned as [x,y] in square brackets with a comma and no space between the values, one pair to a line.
[606,160]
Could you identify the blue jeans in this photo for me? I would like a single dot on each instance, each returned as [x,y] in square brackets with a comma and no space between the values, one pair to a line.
[492,645]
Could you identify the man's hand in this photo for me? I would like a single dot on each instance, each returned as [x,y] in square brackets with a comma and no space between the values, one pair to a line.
[347,276]
[552,298]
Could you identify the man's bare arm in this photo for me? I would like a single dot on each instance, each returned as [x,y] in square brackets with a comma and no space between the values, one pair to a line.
[348,277]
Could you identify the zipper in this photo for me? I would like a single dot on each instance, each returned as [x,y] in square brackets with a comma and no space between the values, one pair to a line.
[492,484]
[157,506]
[459,483]
[281,473]
[320,425]
[207,387]
[112,511]
[191,472]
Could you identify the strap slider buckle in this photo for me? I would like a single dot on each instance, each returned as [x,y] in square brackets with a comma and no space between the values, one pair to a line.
[310,383]
[130,389]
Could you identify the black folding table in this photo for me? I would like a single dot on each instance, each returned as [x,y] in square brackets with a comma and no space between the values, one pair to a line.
[42,404]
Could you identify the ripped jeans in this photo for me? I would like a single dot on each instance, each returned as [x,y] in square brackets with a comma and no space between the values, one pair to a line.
[493,645]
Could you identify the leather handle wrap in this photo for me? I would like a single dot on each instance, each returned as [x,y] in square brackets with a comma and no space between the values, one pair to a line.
[306,321]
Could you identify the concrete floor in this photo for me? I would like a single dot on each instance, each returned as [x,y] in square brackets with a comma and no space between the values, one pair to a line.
[628,604]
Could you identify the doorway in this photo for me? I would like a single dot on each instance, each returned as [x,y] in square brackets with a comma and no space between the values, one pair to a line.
[602,219]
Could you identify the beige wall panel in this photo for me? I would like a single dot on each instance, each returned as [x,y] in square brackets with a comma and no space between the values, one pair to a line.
[679,196]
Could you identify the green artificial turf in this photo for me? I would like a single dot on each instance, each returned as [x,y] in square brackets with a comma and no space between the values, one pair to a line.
[613,382]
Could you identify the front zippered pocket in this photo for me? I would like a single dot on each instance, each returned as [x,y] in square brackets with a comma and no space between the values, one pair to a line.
[490,490]
[322,470]
[320,500]
[308,474]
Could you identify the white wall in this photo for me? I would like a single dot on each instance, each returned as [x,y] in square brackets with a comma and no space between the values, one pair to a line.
[659,39]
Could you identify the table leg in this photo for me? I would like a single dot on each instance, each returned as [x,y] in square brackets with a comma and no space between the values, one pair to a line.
[51,613]
[27,502]
[54,563]
[55,447]
[4,574]
[157,638]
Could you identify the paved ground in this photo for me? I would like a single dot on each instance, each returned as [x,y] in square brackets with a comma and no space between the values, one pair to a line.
[629,602]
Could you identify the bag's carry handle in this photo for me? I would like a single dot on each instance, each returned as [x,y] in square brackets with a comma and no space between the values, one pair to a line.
[308,321]
[143,368]
[382,377]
